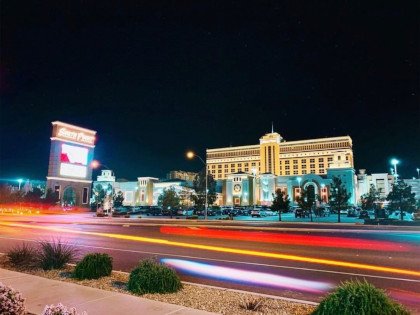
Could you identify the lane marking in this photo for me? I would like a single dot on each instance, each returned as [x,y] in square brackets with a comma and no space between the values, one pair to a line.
[230,261]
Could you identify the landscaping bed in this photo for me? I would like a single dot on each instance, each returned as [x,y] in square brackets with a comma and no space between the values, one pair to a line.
[194,296]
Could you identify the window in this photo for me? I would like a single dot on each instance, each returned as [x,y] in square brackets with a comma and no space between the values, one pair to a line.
[304,172]
[85,195]
[312,161]
[280,162]
[246,164]
[295,167]
[226,166]
[312,166]
[287,172]
[239,164]
[321,160]
[213,166]
[253,164]
[287,162]
[321,165]
[295,161]
[303,166]
[287,167]
[239,169]
[232,170]
[330,159]
[312,171]
[246,169]
[232,165]
[321,170]
[303,160]
[295,172]
[219,171]
[219,166]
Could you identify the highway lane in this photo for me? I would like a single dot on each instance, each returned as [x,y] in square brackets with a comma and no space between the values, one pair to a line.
[400,251]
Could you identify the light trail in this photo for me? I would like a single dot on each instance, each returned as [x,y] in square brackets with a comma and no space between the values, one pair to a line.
[229,250]
[289,239]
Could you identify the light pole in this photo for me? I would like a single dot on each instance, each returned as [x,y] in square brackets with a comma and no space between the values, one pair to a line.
[191,155]
[418,172]
[299,179]
[395,162]
[20,180]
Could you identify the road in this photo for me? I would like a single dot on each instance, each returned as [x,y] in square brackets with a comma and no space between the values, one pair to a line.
[296,261]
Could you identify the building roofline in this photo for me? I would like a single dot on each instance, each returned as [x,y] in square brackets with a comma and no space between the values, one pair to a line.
[253,146]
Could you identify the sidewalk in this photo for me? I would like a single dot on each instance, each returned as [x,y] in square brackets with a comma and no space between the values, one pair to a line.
[39,292]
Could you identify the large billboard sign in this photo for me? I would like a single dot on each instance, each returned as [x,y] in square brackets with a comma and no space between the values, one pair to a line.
[73,161]
[66,132]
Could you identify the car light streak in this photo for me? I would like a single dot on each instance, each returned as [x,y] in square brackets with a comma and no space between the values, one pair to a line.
[228,250]
[245,276]
[289,238]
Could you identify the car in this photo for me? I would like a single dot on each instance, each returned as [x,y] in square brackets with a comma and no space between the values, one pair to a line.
[122,210]
[397,216]
[258,213]
[300,213]
[364,214]
[353,213]
[155,211]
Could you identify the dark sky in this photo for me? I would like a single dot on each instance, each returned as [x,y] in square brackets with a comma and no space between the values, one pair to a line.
[155,79]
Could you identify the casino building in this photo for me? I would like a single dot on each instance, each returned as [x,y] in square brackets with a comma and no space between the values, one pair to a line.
[250,174]
[69,171]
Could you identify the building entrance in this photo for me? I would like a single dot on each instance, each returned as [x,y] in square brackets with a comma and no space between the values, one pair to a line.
[69,196]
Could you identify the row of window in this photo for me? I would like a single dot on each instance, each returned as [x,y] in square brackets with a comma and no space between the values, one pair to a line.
[334,145]
[233,154]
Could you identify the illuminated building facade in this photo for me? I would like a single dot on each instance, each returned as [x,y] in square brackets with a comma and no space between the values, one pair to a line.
[69,171]
[252,173]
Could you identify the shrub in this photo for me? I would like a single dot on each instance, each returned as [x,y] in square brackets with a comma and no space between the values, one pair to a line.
[11,301]
[93,266]
[60,309]
[359,297]
[55,255]
[23,256]
[153,277]
[252,304]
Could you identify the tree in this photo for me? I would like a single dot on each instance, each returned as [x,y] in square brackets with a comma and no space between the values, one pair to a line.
[370,200]
[339,197]
[99,195]
[401,198]
[51,197]
[199,185]
[118,199]
[307,199]
[169,199]
[281,202]
[34,195]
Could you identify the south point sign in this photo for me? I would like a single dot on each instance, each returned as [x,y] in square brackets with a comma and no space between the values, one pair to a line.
[73,133]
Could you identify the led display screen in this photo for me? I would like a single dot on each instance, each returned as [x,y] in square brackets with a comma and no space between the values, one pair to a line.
[73,170]
[73,155]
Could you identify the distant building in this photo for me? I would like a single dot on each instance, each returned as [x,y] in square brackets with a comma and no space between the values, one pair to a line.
[381,181]
[251,174]
[415,186]
[69,168]
[187,176]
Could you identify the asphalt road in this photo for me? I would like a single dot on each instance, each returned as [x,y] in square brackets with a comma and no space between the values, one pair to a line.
[295,261]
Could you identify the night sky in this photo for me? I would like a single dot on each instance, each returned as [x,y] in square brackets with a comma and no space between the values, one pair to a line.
[155,79]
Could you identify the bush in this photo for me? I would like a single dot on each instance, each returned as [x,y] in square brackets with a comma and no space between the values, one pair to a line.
[359,297]
[11,301]
[23,256]
[93,266]
[60,309]
[55,255]
[152,277]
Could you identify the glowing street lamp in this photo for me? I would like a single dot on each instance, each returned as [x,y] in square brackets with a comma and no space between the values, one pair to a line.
[20,180]
[418,172]
[395,162]
[191,155]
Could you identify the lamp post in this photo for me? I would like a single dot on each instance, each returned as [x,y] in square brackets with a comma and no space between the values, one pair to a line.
[20,180]
[418,172]
[299,179]
[395,162]
[191,155]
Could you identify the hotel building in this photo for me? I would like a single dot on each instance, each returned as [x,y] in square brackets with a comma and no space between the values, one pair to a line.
[250,174]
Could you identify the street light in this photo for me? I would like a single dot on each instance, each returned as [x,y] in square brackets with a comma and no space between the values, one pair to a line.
[96,164]
[191,155]
[20,180]
[299,179]
[418,171]
[395,162]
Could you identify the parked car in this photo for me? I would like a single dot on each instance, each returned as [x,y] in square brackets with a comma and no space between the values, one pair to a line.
[155,211]
[122,210]
[258,213]
[300,213]
[397,216]
[364,214]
